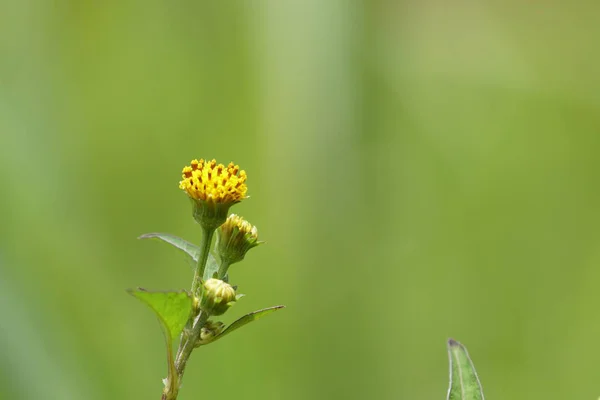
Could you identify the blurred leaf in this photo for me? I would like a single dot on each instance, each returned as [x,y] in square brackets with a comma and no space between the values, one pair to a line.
[464,383]
[172,308]
[190,249]
[246,319]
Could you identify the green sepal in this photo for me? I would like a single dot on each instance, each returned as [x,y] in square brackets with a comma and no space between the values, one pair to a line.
[190,249]
[464,382]
[246,319]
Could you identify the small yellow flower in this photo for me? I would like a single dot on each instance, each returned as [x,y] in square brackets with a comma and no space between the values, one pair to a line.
[209,181]
[213,188]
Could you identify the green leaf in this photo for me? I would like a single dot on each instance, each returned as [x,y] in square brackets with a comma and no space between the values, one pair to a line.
[190,249]
[172,308]
[464,382]
[212,267]
[246,319]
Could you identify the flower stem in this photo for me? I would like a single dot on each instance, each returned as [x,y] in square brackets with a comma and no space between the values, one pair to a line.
[207,236]
[186,347]
[172,385]
[197,320]
[223,268]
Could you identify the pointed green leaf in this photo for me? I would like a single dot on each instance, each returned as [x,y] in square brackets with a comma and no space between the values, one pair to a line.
[172,308]
[181,244]
[464,382]
[190,249]
[246,319]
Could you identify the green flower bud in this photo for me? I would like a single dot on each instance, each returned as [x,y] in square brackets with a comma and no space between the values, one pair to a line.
[217,297]
[234,238]
[209,331]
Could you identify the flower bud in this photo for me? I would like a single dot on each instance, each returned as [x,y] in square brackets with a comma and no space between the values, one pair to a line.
[234,238]
[217,297]
[209,331]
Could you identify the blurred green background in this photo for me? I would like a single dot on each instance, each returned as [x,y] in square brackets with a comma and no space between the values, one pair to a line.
[420,170]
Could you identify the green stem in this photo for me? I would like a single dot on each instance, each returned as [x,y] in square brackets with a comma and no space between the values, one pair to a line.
[223,268]
[207,236]
[194,325]
[173,377]
[187,346]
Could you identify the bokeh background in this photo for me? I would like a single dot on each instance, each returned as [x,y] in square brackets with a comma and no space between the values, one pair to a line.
[420,170]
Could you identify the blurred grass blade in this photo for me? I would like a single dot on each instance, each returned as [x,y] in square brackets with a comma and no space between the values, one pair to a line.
[190,249]
[464,383]
[246,319]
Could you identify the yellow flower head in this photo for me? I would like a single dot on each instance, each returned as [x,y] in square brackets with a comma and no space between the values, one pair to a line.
[212,182]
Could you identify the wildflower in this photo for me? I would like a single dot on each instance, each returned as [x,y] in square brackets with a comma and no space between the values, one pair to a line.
[213,188]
